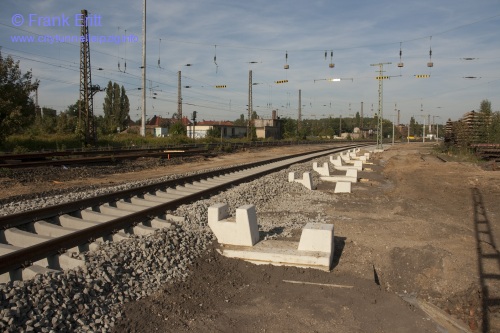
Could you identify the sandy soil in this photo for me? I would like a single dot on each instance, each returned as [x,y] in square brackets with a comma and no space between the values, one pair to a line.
[414,228]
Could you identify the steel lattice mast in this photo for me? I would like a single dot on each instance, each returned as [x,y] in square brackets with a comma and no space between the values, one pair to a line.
[380,112]
[87,90]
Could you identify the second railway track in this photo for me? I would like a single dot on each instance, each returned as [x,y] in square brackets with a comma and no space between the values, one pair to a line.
[43,236]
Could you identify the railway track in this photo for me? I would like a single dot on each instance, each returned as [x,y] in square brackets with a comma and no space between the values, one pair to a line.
[38,241]
[81,157]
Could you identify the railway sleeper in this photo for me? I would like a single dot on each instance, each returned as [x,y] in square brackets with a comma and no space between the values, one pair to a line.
[15,239]
[142,202]
[26,273]
[156,198]
[198,185]
[73,222]
[135,206]
[91,215]
[167,195]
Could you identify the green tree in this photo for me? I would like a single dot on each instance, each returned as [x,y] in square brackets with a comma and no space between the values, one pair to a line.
[177,129]
[213,132]
[484,132]
[495,127]
[66,124]
[124,109]
[116,108]
[240,121]
[107,106]
[72,110]
[17,109]
[289,128]
[115,119]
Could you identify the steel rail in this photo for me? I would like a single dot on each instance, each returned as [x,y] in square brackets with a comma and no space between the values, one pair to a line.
[13,220]
[26,256]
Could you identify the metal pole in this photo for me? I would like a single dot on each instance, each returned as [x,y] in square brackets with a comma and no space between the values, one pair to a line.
[299,116]
[249,103]
[393,129]
[408,134]
[143,119]
[340,127]
[423,135]
[179,96]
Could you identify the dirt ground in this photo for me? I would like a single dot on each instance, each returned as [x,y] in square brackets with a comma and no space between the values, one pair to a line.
[415,251]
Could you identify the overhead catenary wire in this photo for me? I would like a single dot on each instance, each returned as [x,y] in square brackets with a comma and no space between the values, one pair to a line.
[165,82]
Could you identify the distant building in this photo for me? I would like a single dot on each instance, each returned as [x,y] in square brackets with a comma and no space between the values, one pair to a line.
[226,128]
[158,126]
[268,128]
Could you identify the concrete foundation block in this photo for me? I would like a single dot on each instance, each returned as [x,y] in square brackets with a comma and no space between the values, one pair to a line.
[343,187]
[367,155]
[351,176]
[336,161]
[317,237]
[358,165]
[315,249]
[242,231]
[306,180]
[345,157]
[352,173]
[323,170]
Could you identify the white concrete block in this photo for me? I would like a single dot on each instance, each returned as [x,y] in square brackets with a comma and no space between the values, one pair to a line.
[335,179]
[306,180]
[317,237]
[345,157]
[243,231]
[217,212]
[352,173]
[315,249]
[323,171]
[367,155]
[358,165]
[336,161]
[343,187]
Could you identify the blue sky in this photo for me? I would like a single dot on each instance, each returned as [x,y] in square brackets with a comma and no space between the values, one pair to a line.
[257,35]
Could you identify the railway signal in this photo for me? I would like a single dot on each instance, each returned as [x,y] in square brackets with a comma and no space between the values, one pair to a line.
[423,76]
[282,81]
